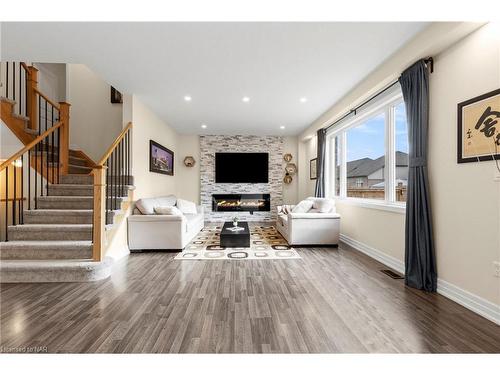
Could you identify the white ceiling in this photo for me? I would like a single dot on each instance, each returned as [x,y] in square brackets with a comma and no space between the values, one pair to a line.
[274,64]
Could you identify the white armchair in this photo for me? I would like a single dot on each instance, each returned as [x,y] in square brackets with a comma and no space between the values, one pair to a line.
[309,228]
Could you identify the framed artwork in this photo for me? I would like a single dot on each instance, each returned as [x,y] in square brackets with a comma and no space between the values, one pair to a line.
[479,128]
[161,159]
[313,172]
[116,96]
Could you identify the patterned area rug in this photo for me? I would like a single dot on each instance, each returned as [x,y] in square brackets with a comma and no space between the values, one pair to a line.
[265,243]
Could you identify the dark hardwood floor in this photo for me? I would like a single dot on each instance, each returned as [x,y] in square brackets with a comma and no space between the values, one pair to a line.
[331,300]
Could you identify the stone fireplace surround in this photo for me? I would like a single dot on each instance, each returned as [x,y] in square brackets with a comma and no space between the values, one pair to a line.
[210,144]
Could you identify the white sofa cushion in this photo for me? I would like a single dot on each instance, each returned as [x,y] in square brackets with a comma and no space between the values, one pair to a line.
[147,205]
[303,206]
[186,207]
[169,210]
[323,205]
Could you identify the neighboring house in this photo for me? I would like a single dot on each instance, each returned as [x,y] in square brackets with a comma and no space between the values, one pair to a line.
[369,173]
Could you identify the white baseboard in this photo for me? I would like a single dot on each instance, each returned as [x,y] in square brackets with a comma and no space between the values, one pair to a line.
[477,304]
[378,255]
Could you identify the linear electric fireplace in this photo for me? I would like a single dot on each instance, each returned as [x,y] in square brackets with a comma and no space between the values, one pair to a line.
[241,202]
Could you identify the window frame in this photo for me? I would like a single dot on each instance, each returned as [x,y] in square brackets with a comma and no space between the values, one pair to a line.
[387,105]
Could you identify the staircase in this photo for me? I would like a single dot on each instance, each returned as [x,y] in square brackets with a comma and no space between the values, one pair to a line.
[73,203]
[55,242]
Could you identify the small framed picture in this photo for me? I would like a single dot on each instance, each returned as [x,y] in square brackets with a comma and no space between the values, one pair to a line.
[116,96]
[479,128]
[313,171]
[161,159]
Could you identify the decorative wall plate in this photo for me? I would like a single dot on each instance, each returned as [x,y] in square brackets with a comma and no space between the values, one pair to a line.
[287,157]
[189,161]
[291,168]
[287,179]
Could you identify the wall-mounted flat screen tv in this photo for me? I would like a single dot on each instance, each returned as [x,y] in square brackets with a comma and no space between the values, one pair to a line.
[241,167]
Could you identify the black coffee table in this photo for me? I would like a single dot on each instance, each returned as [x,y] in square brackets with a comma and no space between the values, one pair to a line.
[239,238]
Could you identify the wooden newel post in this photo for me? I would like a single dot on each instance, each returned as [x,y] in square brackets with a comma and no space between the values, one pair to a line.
[99,218]
[31,98]
[64,144]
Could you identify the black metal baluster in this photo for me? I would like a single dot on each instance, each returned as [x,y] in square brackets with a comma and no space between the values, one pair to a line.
[58,152]
[29,179]
[128,157]
[14,81]
[21,202]
[111,182]
[40,166]
[7,204]
[25,93]
[39,116]
[14,194]
[47,147]
[120,155]
[7,80]
[52,149]
[107,191]
[20,97]
[115,162]
[36,176]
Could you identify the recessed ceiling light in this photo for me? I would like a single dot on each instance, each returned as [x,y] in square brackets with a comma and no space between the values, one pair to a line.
[282,127]
[187,98]
[303,99]
[246,99]
[203,126]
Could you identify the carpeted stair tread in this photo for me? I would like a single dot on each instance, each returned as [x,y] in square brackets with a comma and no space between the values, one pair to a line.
[50,232]
[60,270]
[77,179]
[63,216]
[71,190]
[36,250]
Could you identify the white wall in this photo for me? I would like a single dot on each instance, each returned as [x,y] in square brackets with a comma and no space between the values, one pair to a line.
[146,126]
[307,152]
[188,179]
[465,198]
[94,121]
[52,80]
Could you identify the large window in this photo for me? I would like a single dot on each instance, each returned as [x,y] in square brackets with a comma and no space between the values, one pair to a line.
[366,158]
[401,136]
[369,154]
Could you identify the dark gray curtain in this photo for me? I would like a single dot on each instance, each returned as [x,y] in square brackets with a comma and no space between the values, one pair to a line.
[420,261]
[320,164]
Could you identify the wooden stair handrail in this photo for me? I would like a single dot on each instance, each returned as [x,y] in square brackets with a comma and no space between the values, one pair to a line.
[30,145]
[53,104]
[25,66]
[111,148]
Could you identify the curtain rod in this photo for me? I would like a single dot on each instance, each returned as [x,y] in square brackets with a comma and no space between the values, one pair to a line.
[429,62]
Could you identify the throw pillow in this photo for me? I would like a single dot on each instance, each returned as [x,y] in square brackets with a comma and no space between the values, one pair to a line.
[303,206]
[186,207]
[168,210]
[323,205]
[146,205]
[286,209]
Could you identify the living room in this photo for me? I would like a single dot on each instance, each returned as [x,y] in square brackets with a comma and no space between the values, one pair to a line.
[253,187]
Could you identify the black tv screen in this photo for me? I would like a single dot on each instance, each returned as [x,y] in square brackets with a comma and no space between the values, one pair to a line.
[241,167]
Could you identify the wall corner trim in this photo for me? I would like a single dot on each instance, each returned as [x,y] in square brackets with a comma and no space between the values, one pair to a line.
[477,304]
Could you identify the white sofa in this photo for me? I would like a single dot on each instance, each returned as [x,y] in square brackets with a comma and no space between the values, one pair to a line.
[309,228]
[162,232]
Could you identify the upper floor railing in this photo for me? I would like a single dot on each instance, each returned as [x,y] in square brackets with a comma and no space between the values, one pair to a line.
[26,175]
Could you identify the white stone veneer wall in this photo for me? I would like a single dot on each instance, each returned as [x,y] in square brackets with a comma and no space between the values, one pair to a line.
[210,144]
